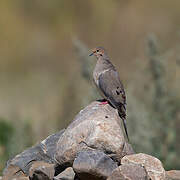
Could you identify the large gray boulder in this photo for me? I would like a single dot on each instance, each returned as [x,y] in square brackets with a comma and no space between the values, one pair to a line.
[93,165]
[95,127]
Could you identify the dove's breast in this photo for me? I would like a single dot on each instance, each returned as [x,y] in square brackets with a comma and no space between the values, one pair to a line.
[96,76]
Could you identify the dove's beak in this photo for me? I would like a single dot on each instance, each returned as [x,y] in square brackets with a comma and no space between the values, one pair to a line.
[91,54]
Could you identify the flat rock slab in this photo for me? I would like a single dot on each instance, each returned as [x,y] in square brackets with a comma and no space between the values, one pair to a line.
[152,165]
[93,165]
[67,174]
[43,151]
[18,178]
[128,172]
[173,175]
[41,170]
[14,172]
[95,127]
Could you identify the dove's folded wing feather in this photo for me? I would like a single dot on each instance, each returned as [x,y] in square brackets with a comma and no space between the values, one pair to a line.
[112,88]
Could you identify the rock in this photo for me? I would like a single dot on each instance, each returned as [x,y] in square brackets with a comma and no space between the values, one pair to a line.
[152,165]
[41,171]
[48,145]
[173,175]
[14,172]
[130,172]
[95,127]
[43,151]
[68,174]
[19,178]
[93,165]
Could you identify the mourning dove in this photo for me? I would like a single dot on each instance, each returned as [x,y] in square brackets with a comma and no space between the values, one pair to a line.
[108,82]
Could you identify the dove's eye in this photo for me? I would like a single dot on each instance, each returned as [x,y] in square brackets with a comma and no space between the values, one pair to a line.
[97,50]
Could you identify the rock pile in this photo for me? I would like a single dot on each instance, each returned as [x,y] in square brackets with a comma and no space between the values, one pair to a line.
[92,147]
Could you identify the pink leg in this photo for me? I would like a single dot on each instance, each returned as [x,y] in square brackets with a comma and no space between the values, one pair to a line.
[104,102]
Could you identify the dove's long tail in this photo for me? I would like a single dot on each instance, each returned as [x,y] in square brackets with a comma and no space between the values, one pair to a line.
[125,127]
[124,123]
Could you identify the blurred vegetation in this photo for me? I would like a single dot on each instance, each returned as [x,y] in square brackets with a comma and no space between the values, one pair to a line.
[161,106]
[13,139]
[45,72]
[6,132]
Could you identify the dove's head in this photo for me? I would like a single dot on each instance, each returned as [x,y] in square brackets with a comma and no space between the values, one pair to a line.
[98,52]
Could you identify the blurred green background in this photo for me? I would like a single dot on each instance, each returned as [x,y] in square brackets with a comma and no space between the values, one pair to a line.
[45,69]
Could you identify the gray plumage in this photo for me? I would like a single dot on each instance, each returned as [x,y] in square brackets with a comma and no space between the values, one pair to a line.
[108,82]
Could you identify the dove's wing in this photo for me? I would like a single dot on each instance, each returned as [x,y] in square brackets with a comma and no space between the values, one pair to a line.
[111,86]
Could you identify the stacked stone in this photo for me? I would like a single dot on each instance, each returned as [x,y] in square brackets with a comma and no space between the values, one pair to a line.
[92,147]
